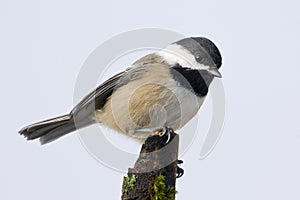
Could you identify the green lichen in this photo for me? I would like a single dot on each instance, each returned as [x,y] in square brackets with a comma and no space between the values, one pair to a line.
[159,191]
[128,183]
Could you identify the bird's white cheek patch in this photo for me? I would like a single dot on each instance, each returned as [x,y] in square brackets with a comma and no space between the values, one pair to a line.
[176,54]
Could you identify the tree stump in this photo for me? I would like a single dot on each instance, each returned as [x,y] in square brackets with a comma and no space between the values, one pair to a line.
[153,176]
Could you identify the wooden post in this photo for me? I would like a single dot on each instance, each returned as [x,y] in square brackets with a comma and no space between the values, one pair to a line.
[153,176]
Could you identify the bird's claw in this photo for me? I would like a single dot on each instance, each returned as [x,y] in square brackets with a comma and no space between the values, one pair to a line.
[165,130]
[180,171]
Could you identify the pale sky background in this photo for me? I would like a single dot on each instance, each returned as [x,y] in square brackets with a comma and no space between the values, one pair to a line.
[44,44]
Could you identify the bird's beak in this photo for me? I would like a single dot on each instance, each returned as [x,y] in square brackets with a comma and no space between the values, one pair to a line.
[215,72]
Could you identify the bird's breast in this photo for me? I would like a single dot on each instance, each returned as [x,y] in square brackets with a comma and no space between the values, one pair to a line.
[153,101]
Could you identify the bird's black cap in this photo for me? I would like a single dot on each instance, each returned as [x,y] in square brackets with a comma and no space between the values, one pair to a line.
[211,49]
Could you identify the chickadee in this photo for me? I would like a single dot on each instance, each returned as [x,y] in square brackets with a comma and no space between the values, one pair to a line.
[162,89]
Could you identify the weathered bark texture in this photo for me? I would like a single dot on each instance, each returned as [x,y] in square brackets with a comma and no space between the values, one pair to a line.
[153,176]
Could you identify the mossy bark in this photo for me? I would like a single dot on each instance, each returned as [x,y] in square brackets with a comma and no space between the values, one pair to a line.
[153,176]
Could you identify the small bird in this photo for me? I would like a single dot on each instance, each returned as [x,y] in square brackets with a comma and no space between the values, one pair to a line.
[162,89]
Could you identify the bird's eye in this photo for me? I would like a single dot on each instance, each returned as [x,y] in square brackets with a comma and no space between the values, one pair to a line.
[198,58]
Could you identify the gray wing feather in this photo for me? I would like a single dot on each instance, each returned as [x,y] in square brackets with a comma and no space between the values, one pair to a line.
[85,109]
[102,89]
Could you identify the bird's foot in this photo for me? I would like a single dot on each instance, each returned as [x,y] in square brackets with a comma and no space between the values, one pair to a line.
[165,131]
[180,171]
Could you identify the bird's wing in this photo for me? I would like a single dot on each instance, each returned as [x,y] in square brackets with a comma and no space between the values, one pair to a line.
[85,109]
[101,93]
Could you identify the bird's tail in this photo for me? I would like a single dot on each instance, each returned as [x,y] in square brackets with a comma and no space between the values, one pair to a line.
[50,129]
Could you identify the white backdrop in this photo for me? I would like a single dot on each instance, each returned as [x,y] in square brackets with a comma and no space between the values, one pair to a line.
[43,45]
